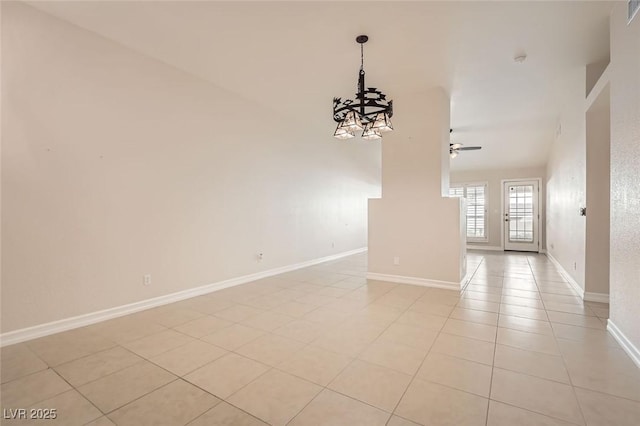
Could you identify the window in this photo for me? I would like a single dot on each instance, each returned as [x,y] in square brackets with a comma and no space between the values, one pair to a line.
[476,195]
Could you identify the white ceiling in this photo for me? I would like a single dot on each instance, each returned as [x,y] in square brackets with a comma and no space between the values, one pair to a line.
[295,57]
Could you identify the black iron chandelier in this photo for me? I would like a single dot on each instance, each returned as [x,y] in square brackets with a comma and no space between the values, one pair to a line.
[370,112]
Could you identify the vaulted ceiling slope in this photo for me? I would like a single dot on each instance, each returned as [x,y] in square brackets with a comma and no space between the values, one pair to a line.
[295,56]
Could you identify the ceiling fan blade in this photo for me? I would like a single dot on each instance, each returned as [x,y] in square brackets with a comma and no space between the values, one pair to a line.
[469,148]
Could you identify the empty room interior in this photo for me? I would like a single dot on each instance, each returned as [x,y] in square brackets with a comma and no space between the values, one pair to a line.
[320,213]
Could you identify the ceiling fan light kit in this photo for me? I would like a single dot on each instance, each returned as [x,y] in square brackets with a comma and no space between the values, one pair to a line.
[370,112]
[455,148]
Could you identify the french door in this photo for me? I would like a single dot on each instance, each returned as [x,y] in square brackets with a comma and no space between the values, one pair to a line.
[521,216]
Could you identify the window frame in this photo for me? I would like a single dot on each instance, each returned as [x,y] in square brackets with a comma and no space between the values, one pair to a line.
[465,185]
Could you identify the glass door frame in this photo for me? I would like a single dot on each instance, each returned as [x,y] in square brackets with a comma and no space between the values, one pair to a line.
[535,246]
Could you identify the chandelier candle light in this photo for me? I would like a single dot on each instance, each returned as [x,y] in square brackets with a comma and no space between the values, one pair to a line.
[370,112]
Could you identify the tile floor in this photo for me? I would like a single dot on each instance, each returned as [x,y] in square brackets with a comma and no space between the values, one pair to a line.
[325,346]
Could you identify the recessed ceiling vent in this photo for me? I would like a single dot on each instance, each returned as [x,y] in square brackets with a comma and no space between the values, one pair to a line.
[634,6]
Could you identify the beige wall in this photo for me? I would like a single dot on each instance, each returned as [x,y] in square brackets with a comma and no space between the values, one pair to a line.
[494,178]
[412,221]
[625,167]
[115,165]
[598,131]
[593,73]
[566,180]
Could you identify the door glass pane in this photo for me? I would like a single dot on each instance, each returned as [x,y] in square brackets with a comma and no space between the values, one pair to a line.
[521,213]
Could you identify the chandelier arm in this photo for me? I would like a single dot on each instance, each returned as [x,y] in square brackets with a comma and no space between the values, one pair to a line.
[339,112]
[367,104]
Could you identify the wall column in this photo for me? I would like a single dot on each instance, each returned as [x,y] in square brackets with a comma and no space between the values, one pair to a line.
[415,234]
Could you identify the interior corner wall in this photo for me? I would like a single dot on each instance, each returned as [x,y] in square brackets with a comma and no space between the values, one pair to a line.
[116,165]
[412,223]
[593,73]
[494,178]
[625,163]
[566,181]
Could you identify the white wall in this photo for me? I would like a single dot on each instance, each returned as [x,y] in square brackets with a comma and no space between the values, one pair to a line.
[625,167]
[116,165]
[412,221]
[566,181]
[494,178]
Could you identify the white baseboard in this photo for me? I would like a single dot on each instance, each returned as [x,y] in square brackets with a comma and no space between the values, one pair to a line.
[414,281]
[584,295]
[494,248]
[626,344]
[567,276]
[596,297]
[481,247]
[29,333]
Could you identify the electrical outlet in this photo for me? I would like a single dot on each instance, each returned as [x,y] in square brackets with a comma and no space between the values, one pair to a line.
[396,260]
[575,266]
[146,280]
[333,245]
[259,257]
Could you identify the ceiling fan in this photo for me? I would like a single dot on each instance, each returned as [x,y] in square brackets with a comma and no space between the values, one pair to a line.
[455,148]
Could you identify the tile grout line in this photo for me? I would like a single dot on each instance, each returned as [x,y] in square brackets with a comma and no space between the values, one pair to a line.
[72,388]
[301,378]
[555,419]
[354,358]
[564,363]
[493,367]
[493,363]
[142,396]
[391,414]
[270,369]
[413,378]
[221,401]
